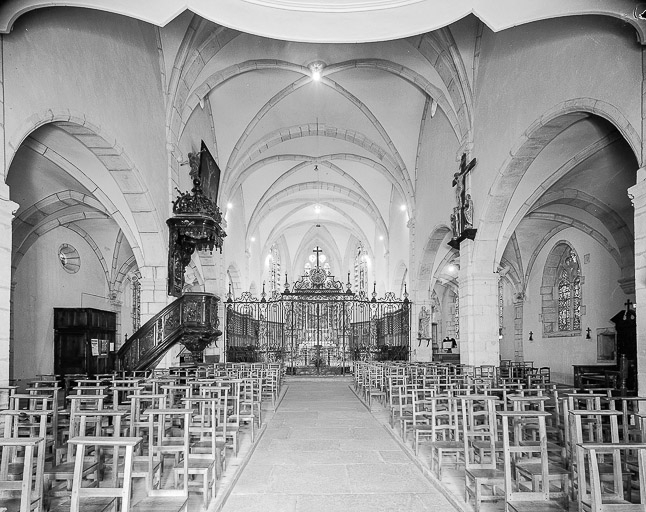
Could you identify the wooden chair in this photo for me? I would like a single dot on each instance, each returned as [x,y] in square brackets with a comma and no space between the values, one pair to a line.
[142,467]
[404,415]
[445,432]
[204,454]
[250,404]
[520,497]
[233,412]
[222,422]
[271,385]
[396,394]
[102,497]
[166,500]
[421,417]
[595,435]
[80,423]
[375,384]
[29,489]
[526,431]
[576,402]
[479,426]
[602,497]
[628,405]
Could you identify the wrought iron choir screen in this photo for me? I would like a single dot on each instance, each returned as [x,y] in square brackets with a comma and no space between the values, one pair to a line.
[319,325]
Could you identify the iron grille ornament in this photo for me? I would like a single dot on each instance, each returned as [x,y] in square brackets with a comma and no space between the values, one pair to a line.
[195,225]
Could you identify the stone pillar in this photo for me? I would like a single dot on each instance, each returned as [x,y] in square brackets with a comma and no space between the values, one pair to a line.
[519,304]
[638,196]
[213,274]
[154,298]
[478,310]
[3,159]
[7,209]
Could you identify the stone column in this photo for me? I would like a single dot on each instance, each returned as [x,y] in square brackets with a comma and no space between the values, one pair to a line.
[7,209]
[478,310]
[638,196]
[213,274]
[519,304]
[154,298]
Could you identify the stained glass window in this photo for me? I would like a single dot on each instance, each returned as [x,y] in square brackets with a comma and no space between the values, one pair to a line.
[274,269]
[501,306]
[136,302]
[569,293]
[360,269]
[576,304]
[456,303]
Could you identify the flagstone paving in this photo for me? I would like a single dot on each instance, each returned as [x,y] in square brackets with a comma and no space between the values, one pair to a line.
[323,450]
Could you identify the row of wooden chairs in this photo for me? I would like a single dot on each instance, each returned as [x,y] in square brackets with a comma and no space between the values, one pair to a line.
[530,444]
[215,407]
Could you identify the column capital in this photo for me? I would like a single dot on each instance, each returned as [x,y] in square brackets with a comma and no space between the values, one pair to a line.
[637,193]
[7,206]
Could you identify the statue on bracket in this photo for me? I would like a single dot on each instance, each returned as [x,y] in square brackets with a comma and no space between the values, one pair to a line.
[462,216]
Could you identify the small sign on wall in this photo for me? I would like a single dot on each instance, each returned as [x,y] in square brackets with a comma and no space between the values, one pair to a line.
[95,346]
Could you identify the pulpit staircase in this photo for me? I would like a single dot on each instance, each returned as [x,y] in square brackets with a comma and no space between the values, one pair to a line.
[191,320]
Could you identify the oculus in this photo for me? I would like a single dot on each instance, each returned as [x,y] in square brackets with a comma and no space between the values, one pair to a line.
[69,258]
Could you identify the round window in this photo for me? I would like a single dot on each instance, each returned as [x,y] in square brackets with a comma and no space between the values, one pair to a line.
[69,258]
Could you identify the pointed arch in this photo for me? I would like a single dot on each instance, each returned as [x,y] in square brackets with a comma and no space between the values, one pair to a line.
[490,242]
[143,227]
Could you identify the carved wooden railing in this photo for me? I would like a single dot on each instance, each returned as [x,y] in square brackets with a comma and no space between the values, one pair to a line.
[192,320]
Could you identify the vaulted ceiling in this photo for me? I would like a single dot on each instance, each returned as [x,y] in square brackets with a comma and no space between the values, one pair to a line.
[335,158]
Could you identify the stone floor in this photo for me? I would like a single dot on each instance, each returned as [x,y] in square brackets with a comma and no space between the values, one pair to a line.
[323,450]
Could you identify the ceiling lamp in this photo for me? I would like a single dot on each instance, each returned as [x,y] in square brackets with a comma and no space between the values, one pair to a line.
[317,69]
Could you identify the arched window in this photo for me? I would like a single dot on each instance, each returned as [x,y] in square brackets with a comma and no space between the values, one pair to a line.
[360,269]
[561,292]
[232,290]
[274,269]
[569,293]
[501,308]
[456,312]
[136,301]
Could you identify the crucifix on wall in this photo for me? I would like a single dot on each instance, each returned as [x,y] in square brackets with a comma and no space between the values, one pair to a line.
[462,216]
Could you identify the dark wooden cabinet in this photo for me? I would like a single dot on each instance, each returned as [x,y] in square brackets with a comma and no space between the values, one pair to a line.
[84,340]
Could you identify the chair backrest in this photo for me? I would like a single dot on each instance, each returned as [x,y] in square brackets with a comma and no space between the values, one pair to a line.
[421,405]
[175,393]
[233,402]
[445,424]
[205,420]
[222,392]
[628,407]
[122,393]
